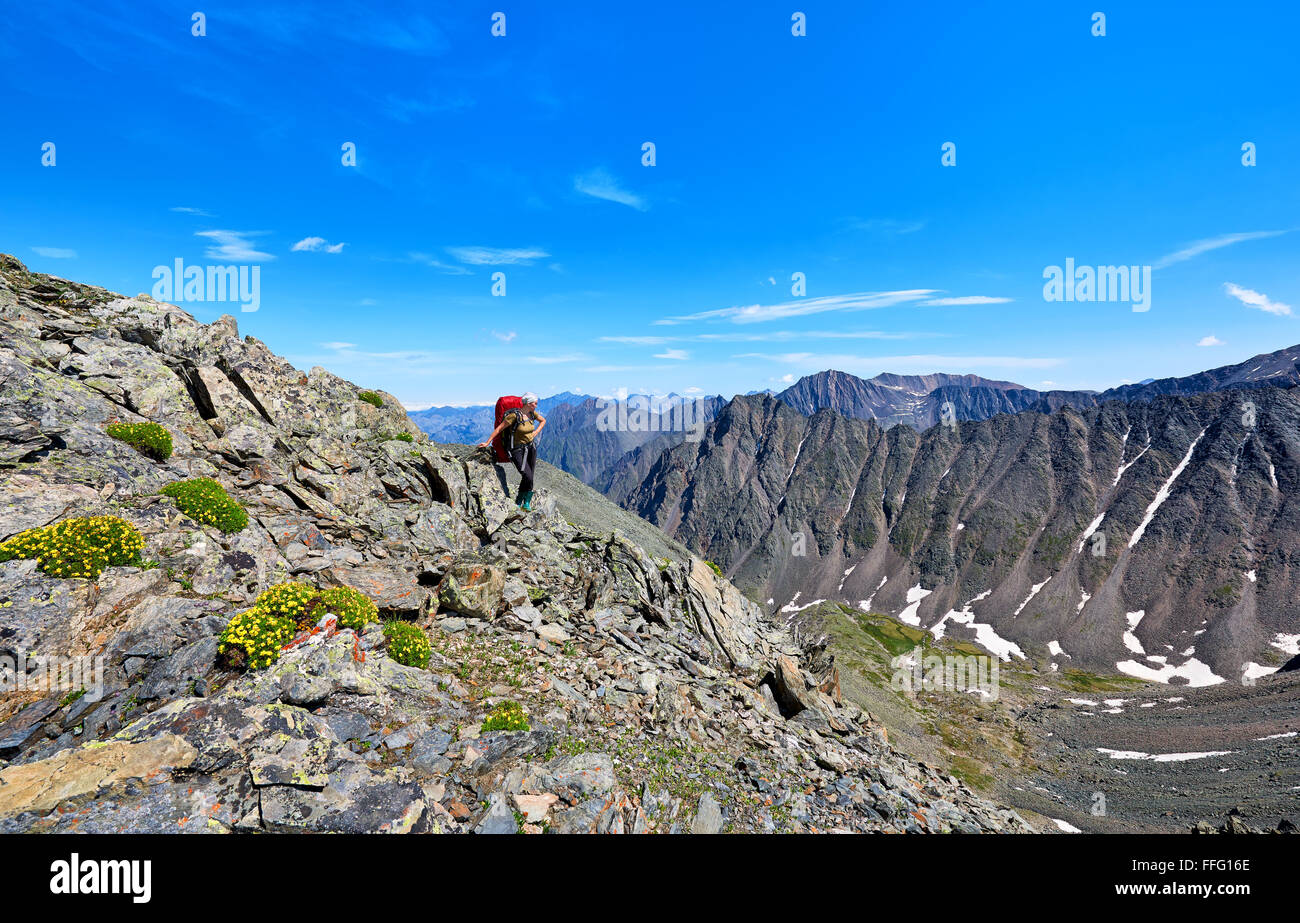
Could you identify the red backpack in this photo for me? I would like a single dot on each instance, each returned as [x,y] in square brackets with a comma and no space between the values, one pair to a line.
[504,406]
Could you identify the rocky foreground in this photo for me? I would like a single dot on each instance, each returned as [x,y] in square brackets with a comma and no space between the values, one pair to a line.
[656,697]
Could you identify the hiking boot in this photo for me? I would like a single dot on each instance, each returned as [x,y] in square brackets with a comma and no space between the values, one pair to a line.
[527,503]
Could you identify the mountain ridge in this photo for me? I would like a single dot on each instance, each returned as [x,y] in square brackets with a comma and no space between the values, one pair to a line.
[879,513]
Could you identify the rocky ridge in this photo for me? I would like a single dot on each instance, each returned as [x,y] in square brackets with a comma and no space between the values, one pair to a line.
[922,401]
[1156,534]
[658,697]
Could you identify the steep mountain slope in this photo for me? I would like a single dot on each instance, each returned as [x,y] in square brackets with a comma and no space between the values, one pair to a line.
[1151,537]
[629,472]
[654,696]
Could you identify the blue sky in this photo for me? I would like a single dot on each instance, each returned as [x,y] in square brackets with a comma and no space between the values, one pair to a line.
[775,154]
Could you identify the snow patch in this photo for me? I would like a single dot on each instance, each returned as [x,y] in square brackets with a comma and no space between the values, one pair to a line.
[1131,640]
[851,496]
[1163,493]
[791,607]
[865,604]
[1160,757]
[1194,671]
[985,635]
[1124,467]
[914,597]
[797,453]
[1254,670]
[1092,527]
[1287,644]
[1032,593]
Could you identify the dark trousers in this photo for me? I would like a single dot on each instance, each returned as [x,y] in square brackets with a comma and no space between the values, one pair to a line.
[525,459]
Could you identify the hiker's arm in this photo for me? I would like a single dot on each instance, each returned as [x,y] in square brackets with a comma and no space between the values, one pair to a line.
[496,432]
[541,424]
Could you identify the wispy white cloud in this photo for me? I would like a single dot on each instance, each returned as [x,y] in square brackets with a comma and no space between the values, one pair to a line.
[965,300]
[918,364]
[234,245]
[505,337]
[454,366]
[408,109]
[769,336]
[600,184]
[1253,299]
[408,32]
[56,253]
[555,360]
[497,256]
[639,340]
[426,259]
[800,307]
[1210,340]
[677,354]
[1196,248]
[630,368]
[192,211]
[887,226]
[313,244]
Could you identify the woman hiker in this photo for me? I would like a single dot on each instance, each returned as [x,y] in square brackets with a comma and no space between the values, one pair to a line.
[521,428]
